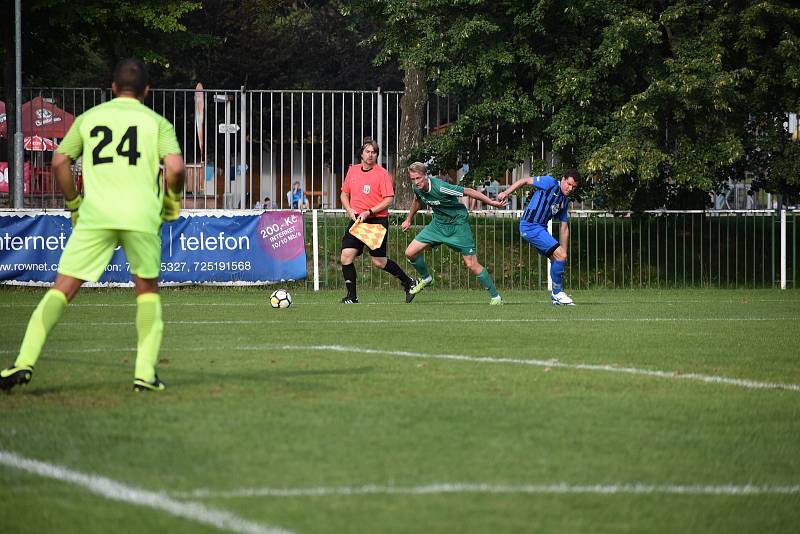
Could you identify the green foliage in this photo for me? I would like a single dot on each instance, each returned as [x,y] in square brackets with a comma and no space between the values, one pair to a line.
[772,157]
[77,43]
[635,93]
[653,100]
[224,44]
[266,44]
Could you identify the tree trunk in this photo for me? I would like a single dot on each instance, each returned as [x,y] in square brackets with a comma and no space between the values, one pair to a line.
[412,112]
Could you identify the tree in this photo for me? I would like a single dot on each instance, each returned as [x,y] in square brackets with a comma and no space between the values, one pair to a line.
[412,110]
[64,42]
[269,44]
[714,68]
[407,31]
[650,98]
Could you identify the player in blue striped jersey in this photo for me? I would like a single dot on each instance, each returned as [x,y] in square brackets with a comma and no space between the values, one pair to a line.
[549,200]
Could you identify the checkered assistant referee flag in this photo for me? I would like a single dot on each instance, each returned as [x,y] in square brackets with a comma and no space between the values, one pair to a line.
[370,234]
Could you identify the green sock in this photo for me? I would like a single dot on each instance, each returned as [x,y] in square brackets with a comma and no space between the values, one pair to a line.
[43,319]
[149,328]
[486,279]
[419,265]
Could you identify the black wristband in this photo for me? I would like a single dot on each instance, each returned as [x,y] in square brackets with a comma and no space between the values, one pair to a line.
[370,211]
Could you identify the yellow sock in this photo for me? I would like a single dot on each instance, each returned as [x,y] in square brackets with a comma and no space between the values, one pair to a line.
[43,319]
[149,328]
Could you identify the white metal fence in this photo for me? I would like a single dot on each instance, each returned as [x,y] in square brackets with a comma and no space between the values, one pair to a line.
[242,147]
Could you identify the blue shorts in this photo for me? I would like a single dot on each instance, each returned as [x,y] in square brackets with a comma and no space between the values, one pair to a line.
[538,236]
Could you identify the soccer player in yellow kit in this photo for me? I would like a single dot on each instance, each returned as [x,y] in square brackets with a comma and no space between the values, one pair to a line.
[122,143]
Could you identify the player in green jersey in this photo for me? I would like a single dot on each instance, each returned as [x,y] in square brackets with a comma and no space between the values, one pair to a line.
[122,143]
[449,226]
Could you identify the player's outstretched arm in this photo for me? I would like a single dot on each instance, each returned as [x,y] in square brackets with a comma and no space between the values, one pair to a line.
[477,195]
[412,210]
[503,196]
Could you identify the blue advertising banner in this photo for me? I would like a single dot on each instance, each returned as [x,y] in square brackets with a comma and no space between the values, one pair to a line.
[209,248]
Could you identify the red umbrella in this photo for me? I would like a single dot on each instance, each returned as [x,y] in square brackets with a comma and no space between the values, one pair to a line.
[39,144]
[3,123]
[43,118]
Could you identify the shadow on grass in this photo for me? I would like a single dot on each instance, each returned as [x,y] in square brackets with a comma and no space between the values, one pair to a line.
[208,375]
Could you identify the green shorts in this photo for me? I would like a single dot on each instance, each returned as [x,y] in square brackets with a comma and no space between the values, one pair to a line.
[89,250]
[456,236]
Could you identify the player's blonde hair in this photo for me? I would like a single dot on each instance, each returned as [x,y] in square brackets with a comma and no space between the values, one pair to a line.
[419,167]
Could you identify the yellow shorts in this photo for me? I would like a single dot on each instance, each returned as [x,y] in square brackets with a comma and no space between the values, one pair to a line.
[89,250]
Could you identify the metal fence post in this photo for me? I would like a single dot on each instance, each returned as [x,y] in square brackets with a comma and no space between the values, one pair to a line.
[242,152]
[381,153]
[19,154]
[315,245]
[783,248]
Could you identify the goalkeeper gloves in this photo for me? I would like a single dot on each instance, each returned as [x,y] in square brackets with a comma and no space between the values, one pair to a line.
[172,205]
[72,207]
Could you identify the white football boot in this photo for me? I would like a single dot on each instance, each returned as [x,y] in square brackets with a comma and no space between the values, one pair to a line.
[561,299]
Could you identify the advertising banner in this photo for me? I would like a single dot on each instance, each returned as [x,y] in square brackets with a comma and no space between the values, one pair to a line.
[5,178]
[210,248]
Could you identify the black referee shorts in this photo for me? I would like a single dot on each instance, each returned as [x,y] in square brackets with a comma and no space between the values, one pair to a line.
[350,241]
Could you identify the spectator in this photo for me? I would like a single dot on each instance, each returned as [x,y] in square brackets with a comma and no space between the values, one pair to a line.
[721,201]
[493,189]
[750,200]
[267,205]
[297,197]
[722,198]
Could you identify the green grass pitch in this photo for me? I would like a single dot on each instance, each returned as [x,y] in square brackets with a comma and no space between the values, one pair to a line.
[634,411]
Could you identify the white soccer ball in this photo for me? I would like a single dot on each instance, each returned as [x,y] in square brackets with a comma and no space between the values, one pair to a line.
[280,298]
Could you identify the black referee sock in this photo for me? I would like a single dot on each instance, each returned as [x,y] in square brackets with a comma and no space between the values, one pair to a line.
[395,270]
[349,273]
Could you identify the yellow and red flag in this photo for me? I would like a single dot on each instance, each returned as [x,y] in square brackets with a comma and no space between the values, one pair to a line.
[370,234]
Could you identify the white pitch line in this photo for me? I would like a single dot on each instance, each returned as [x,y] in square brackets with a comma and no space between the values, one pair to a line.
[750,384]
[460,487]
[611,368]
[117,491]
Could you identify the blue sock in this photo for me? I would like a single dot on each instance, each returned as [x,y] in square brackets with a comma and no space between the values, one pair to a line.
[557,275]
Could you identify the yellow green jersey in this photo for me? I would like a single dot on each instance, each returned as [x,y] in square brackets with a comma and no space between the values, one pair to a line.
[122,143]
